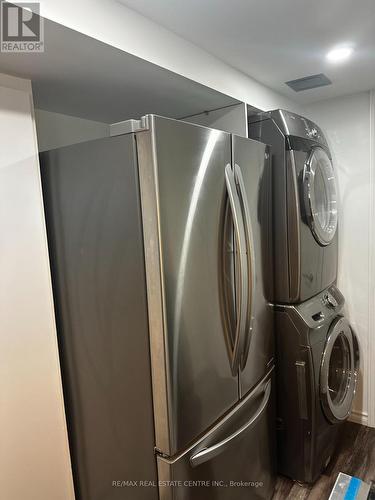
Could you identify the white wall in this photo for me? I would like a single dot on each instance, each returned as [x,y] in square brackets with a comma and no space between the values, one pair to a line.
[347,124]
[34,452]
[56,130]
[114,24]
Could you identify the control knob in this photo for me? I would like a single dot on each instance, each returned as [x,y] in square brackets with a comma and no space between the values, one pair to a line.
[330,301]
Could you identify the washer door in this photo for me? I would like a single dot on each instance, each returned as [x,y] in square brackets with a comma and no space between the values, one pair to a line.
[320,196]
[339,371]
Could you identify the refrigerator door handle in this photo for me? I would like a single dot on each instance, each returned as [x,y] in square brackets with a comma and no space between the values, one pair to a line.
[250,263]
[215,450]
[242,298]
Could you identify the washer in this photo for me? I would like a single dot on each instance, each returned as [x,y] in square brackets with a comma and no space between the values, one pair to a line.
[304,205]
[317,369]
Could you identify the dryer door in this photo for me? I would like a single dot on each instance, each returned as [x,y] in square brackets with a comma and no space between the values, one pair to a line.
[339,371]
[320,196]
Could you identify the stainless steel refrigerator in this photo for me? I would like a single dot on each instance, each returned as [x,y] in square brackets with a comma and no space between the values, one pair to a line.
[160,250]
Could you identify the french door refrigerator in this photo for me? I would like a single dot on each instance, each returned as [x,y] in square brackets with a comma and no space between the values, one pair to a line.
[160,253]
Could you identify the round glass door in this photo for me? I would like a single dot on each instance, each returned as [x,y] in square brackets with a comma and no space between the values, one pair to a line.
[339,370]
[338,375]
[320,193]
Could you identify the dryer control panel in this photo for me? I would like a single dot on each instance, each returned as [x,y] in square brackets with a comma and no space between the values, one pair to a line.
[298,126]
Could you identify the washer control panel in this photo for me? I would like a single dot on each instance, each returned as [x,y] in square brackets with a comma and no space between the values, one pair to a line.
[322,307]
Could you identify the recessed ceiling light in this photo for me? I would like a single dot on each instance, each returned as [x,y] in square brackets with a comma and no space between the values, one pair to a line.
[339,54]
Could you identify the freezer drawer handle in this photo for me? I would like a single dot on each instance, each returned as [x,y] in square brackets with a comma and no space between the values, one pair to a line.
[242,275]
[215,450]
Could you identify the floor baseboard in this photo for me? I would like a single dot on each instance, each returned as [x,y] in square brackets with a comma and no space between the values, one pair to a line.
[359,417]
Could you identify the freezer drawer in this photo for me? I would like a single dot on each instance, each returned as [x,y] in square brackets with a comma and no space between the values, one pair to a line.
[235,460]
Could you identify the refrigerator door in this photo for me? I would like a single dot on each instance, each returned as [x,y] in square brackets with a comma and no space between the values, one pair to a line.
[195,356]
[252,171]
[95,238]
[235,460]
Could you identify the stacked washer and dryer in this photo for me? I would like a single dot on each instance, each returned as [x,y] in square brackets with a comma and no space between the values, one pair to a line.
[317,351]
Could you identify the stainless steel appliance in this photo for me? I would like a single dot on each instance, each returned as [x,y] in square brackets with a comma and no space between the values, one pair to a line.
[305,205]
[156,239]
[317,369]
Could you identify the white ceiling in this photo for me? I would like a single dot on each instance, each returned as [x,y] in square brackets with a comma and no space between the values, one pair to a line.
[275,41]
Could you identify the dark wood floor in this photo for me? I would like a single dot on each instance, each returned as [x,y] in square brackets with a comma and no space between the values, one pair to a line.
[355,456]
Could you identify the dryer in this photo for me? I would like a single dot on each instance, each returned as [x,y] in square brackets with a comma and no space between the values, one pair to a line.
[317,369]
[305,202]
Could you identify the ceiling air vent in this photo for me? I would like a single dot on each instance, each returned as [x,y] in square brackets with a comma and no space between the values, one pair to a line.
[309,82]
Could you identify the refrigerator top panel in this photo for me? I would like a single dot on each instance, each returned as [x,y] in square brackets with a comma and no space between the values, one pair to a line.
[183,194]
